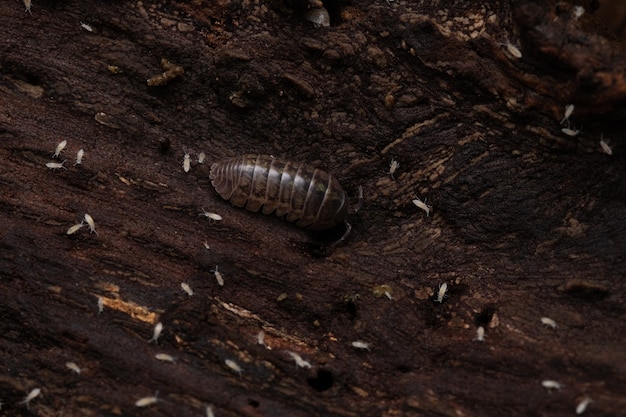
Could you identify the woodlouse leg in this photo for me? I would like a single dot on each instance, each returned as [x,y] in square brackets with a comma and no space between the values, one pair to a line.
[344,236]
[360,202]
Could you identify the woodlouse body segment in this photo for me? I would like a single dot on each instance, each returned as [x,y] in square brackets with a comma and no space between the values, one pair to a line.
[309,196]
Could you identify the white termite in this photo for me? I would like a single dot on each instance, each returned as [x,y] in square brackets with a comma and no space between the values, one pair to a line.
[165,357]
[422,205]
[570,132]
[56,165]
[75,228]
[393,167]
[187,162]
[579,11]
[359,344]
[100,305]
[209,411]
[605,147]
[91,223]
[480,334]
[548,322]
[85,26]
[146,401]
[156,333]
[550,385]
[301,363]
[442,292]
[186,288]
[206,246]
[512,50]
[211,216]
[569,109]
[201,157]
[73,367]
[583,404]
[260,339]
[218,277]
[79,157]
[59,148]
[28,5]
[233,366]
[31,396]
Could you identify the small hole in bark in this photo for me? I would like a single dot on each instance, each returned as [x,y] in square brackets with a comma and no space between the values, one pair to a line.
[484,317]
[323,381]
[253,403]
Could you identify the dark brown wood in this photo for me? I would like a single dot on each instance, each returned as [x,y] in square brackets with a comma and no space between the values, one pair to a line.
[527,222]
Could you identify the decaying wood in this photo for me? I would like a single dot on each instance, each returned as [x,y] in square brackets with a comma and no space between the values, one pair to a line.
[527,222]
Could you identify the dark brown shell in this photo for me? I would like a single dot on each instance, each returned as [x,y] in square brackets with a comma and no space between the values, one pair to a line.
[299,192]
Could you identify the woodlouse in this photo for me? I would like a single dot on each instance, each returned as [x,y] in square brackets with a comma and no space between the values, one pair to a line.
[298,192]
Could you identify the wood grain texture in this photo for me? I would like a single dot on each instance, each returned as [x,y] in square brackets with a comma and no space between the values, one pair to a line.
[527,222]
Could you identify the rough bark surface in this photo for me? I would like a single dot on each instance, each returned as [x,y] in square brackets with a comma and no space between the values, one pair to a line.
[527,222]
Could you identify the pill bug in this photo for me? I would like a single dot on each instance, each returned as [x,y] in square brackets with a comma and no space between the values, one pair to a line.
[298,192]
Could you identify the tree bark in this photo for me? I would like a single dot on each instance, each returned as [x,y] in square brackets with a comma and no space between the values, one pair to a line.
[526,221]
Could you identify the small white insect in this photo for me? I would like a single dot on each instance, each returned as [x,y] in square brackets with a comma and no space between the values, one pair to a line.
[186,288]
[359,344]
[201,157]
[605,147]
[87,27]
[422,205]
[569,109]
[165,357]
[72,366]
[548,322]
[59,148]
[218,277]
[480,334]
[28,4]
[393,167]
[582,406]
[570,132]
[211,216]
[31,396]
[91,223]
[578,12]
[260,339]
[56,165]
[75,228]
[233,366]
[513,50]
[209,411]
[187,162]
[442,292]
[551,385]
[299,361]
[157,332]
[146,401]
[206,246]
[100,305]
[79,157]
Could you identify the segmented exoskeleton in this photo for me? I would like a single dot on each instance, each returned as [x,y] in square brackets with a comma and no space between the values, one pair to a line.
[301,193]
